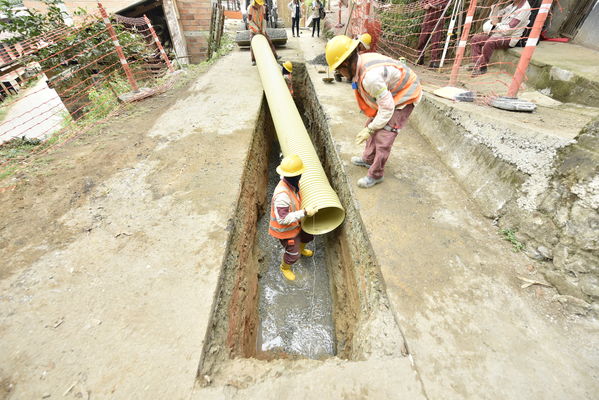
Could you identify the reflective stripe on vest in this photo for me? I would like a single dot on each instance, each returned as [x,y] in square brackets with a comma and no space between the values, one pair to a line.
[406,91]
[284,231]
[256,24]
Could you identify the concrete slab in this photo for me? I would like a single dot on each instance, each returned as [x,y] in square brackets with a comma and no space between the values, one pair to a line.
[565,71]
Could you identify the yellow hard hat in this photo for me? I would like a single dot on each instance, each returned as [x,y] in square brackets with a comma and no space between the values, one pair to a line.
[288,66]
[291,166]
[338,49]
[366,39]
[261,2]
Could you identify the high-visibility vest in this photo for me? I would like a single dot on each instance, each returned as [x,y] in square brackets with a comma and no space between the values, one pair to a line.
[285,231]
[406,91]
[256,23]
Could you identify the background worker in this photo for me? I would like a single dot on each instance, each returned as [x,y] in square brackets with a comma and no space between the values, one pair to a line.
[386,91]
[503,29]
[365,40]
[433,13]
[286,213]
[295,6]
[317,13]
[287,71]
[257,24]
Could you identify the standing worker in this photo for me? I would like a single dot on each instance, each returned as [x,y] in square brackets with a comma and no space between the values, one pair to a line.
[432,18]
[386,91]
[286,213]
[317,13]
[257,24]
[296,13]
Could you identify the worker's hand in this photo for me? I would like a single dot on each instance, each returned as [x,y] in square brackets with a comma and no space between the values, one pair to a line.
[310,211]
[427,6]
[363,135]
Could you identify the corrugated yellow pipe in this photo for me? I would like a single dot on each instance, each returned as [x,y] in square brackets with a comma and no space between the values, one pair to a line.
[293,139]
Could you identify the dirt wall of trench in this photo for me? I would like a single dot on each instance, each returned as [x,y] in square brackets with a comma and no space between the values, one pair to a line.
[559,224]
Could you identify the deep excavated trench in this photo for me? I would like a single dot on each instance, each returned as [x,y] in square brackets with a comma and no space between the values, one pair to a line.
[338,304]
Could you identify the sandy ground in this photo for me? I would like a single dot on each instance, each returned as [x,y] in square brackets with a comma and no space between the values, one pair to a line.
[111,250]
[37,114]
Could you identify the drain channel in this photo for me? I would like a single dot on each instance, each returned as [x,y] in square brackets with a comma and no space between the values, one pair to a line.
[338,303]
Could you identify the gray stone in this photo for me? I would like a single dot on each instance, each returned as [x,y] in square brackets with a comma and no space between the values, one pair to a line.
[573,305]
[545,252]
[564,284]
[589,284]
[565,258]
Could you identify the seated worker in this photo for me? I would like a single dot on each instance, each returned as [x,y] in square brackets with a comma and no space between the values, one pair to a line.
[503,29]
[287,70]
[286,214]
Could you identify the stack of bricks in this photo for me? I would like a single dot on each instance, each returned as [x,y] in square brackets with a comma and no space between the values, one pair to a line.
[194,16]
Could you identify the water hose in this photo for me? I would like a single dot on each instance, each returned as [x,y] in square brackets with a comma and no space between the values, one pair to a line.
[315,188]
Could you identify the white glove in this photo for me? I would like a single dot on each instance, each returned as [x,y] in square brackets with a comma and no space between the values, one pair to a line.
[310,211]
[363,135]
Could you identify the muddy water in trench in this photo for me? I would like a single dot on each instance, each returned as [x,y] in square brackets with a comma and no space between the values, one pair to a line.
[295,317]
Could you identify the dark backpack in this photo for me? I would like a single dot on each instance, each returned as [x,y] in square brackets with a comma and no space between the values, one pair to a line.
[321,13]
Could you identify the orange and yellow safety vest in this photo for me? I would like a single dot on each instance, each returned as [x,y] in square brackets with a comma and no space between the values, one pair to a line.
[285,231]
[407,90]
[256,20]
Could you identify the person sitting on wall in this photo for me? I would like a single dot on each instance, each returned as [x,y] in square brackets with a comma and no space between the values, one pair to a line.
[502,30]
[257,25]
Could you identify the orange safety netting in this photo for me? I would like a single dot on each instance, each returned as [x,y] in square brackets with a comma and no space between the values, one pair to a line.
[66,81]
[426,34]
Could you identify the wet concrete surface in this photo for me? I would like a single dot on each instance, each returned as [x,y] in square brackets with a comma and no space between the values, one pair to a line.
[295,316]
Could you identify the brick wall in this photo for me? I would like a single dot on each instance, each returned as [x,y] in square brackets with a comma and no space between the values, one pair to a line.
[194,16]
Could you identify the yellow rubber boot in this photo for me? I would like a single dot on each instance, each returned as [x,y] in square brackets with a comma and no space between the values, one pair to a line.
[305,252]
[287,272]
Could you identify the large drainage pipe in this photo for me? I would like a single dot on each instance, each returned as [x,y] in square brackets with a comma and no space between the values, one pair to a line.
[293,138]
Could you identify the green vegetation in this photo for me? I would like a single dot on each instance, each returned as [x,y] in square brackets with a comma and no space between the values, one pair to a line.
[510,236]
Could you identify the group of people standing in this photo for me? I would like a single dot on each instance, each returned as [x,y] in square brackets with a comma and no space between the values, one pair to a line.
[296,6]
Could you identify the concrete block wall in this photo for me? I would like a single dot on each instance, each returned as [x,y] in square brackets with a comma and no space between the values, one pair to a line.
[194,16]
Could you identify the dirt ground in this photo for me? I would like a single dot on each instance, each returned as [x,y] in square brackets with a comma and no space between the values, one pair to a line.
[111,249]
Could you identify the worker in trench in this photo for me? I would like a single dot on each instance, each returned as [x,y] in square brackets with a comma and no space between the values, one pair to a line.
[287,71]
[256,15]
[386,91]
[286,214]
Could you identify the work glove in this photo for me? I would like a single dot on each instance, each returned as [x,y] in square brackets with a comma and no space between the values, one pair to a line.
[363,135]
[310,211]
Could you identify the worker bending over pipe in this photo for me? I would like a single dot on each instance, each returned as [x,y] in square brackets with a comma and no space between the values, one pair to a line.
[386,91]
[286,214]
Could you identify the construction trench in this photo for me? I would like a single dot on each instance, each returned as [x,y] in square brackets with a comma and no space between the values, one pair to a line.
[337,307]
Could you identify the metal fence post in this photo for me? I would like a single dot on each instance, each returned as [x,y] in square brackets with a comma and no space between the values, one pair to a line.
[462,44]
[119,49]
[529,49]
[158,44]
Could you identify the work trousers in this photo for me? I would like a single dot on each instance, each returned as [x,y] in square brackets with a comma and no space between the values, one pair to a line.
[316,26]
[378,146]
[272,46]
[428,24]
[292,246]
[295,26]
[483,46]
